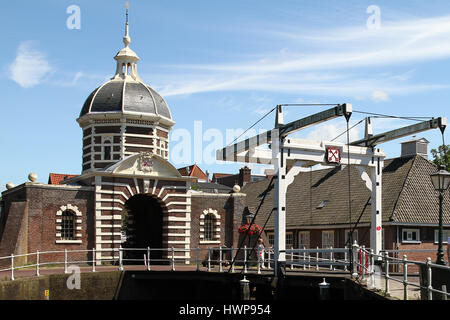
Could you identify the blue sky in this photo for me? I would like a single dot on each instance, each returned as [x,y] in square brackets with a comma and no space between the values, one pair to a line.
[220,65]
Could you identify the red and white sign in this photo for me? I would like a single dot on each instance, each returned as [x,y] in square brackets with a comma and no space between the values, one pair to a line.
[333,155]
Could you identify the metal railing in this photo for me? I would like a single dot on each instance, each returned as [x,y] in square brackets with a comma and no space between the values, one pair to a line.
[364,265]
[247,261]
[364,262]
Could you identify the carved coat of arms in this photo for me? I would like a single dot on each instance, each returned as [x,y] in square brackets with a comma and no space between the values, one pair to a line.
[145,162]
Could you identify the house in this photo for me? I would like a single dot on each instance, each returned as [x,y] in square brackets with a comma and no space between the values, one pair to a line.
[318,215]
[57,178]
[242,178]
[194,171]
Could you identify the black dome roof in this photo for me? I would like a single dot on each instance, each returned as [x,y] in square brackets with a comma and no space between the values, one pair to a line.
[118,95]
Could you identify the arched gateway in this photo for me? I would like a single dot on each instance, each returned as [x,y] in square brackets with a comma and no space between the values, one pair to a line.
[142,224]
[154,198]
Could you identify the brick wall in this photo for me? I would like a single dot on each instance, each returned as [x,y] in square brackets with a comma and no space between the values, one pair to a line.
[229,207]
[42,204]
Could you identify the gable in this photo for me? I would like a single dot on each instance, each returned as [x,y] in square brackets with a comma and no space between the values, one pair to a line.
[144,164]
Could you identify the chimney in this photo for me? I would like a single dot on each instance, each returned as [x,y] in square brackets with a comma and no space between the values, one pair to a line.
[415,146]
[244,176]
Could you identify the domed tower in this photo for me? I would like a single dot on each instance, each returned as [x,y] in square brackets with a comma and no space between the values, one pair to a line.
[124,116]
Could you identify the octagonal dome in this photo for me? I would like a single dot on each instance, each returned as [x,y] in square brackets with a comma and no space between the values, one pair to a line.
[126,96]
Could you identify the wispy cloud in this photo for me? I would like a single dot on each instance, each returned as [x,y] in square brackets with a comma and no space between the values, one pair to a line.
[30,66]
[379,96]
[337,61]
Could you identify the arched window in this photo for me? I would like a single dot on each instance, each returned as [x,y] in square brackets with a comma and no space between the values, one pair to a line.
[209,227]
[68,225]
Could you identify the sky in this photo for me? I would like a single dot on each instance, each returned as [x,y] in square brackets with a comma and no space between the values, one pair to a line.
[221,66]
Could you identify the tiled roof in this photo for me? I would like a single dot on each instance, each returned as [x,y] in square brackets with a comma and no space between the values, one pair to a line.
[320,197]
[220,175]
[214,187]
[193,171]
[418,201]
[57,178]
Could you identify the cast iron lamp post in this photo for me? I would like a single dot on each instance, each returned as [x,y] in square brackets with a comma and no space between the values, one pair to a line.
[441,181]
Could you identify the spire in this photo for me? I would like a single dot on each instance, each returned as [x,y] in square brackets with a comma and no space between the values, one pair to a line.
[126,39]
[126,58]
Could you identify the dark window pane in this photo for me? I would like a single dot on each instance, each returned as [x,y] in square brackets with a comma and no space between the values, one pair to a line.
[209,227]
[67,225]
[107,153]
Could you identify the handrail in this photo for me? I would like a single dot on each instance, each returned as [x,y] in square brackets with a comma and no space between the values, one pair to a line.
[298,259]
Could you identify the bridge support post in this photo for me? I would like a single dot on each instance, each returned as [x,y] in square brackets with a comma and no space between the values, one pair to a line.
[245,289]
[37,263]
[220,259]
[372,270]
[355,260]
[324,289]
[93,259]
[12,266]
[209,259]
[245,259]
[429,287]
[363,263]
[405,278]
[173,259]
[65,261]
[386,273]
[120,259]
[280,200]
[376,207]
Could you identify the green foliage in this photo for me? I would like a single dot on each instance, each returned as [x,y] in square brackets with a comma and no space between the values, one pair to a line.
[441,157]
[195,186]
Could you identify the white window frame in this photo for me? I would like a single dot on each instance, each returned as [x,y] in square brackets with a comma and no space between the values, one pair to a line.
[332,238]
[308,236]
[292,237]
[271,235]
[77,225]
[446,236]
[216,227]
[410,230]
[324,232]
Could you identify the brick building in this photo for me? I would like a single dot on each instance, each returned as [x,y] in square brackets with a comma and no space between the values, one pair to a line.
[318,215]
[128,194]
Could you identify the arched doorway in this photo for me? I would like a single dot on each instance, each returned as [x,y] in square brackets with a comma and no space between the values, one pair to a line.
[142,226]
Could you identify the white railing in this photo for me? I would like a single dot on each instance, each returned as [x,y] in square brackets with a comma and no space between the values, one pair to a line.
[364,269]
[359,261]
[296,259]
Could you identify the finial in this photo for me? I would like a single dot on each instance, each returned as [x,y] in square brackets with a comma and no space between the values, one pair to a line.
[126,39]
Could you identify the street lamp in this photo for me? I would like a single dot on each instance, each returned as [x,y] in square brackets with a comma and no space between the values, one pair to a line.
[441,182]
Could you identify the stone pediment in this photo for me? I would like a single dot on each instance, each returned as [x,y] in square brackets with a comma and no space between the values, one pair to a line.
[144,164]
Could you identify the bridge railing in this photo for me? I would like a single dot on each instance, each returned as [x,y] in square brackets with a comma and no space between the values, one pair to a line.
[245,259]
[367,266]
[364,265]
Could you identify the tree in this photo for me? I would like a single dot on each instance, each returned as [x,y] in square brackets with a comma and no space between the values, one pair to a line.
[441,156]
